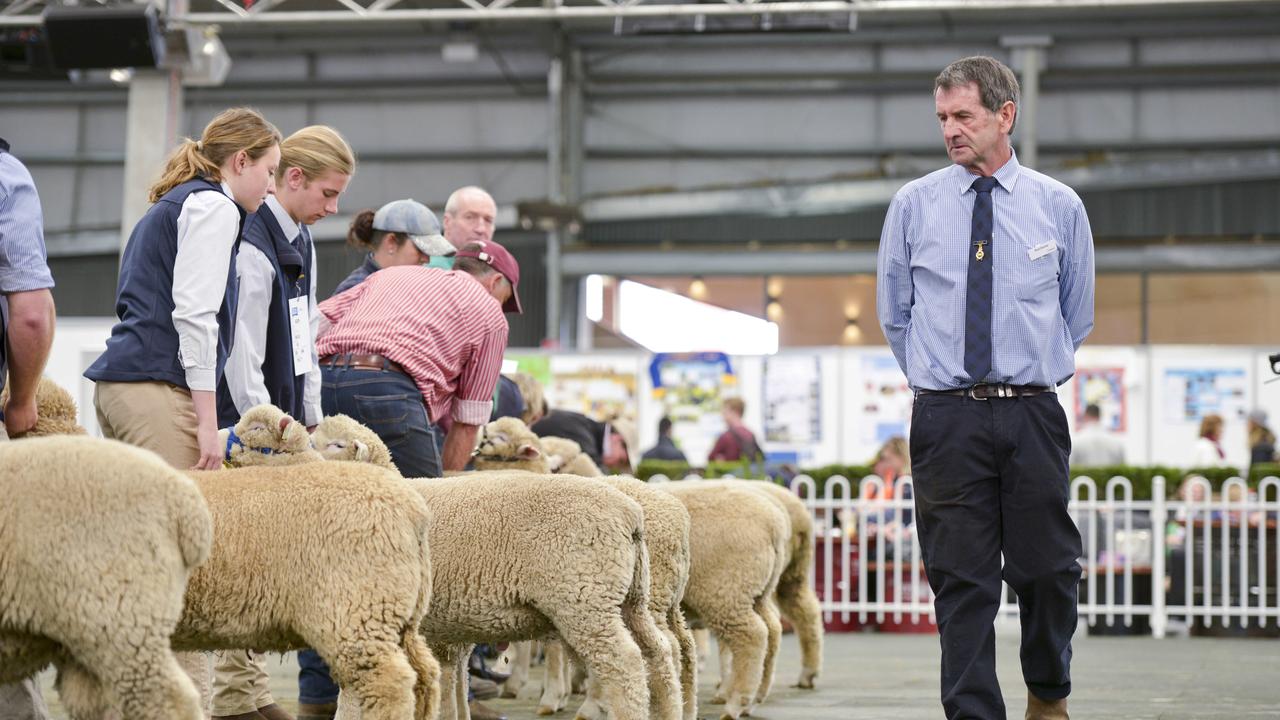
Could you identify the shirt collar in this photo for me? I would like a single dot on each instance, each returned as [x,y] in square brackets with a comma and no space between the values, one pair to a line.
[291,229]
[1007,175]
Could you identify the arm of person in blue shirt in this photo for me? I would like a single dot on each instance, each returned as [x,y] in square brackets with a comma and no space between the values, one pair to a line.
[894,291]
[1075,279]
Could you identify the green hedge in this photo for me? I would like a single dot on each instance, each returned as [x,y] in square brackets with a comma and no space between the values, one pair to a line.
[1139,475]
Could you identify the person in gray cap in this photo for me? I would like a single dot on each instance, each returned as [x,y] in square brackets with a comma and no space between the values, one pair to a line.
[402,232]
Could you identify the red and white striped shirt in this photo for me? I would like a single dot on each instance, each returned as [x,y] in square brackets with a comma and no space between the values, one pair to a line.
[441,326]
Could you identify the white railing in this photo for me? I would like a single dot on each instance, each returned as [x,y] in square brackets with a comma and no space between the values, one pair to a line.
[1217,554]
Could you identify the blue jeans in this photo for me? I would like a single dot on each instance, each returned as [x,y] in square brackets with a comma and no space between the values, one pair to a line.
[315,687]
[390,404]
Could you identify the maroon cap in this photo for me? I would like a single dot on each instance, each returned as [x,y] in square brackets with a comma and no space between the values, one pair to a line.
[497,257]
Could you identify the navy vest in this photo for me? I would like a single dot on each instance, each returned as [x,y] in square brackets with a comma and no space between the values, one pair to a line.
[293,279]
[144,344]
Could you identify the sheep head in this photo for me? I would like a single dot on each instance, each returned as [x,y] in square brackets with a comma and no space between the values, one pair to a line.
[508,444]
[565,456]
[266,435]
[340,437]
[55,411]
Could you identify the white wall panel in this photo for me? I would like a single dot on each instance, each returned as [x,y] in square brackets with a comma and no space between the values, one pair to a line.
[1209,114]
[1196,51]
[454,125]
[614,175]
[38,129]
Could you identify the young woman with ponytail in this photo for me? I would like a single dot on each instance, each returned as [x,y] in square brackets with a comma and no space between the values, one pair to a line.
[157,379]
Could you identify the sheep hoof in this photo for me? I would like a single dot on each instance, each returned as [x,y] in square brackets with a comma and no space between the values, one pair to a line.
[804,684]
[718,699]
[727,716]
[544,710]
[512,693]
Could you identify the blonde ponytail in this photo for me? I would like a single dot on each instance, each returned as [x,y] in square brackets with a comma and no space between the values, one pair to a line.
[233,130]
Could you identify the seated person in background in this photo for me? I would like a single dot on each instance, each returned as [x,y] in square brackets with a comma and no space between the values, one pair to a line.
[600,440]
[737,442]
[507,400]
[666,448]
[1093,446]
[891,463]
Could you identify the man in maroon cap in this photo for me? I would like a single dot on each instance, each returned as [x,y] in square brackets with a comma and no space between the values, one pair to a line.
[411,346]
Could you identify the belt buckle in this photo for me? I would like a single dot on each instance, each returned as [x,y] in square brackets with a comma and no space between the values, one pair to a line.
[973,393]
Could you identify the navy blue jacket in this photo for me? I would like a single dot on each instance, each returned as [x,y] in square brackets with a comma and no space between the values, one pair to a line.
[144,344]
[293,279]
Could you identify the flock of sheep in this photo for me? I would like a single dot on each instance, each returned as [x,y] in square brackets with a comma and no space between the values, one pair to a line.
[110,561]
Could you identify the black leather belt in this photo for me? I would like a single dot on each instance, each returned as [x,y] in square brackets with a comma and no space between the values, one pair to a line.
[986,391]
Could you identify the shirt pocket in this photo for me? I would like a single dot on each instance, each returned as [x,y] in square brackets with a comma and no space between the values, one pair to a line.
[1036,279]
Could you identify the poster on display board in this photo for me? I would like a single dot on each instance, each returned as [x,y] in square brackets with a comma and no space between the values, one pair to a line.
[793,399]
[689,388]
[1190,393]
[1103,387]
[886,401]
[602,387]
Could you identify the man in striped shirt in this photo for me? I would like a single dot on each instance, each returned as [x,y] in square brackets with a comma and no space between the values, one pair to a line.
[413,345]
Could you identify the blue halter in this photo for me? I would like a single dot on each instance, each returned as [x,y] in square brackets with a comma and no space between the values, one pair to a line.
[233,440]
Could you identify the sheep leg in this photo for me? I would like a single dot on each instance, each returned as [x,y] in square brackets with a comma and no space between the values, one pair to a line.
[665,702]
[799,604]
[81,693]
[613,658]
[453,681]
[745,635]
[725,657]
[379,674]
[686,661]
[518,658]
[555,686]
[769,613]
[591,708]
[144,684]
[577,676]
[702,636]
[427,688]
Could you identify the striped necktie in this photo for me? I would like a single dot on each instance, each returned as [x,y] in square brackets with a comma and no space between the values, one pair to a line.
[977,316]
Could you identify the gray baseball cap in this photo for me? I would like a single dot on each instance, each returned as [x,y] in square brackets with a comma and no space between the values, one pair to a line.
[415,220]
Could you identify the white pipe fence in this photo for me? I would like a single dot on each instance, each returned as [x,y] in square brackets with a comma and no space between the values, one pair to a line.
[1197,560]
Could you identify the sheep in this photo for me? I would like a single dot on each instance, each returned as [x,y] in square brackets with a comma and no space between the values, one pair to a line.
[508,444]
[738,543]
[331,556]
[566,456]
[559,555]
[340,437]
[57,414]
[93,566]
[266,436]
[796,597]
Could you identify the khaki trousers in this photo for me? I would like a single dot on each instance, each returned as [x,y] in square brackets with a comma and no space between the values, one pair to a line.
[240,682]
[161,418]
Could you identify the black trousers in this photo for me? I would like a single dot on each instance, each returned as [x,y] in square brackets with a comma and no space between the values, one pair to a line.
[990,478]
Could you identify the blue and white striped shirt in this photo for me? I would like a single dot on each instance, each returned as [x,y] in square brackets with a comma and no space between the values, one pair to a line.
[1042,288]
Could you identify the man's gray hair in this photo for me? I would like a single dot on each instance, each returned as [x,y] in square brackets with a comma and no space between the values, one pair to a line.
[451,205]
[996,83]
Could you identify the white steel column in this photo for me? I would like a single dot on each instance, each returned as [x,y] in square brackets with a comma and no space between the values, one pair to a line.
[1029,60]
[151,130]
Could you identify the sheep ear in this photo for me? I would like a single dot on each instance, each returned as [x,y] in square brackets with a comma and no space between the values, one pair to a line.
[529,452]
[284,423]
[363,453]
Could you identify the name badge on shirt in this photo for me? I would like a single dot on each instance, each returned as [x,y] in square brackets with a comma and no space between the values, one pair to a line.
[300,330]
[1042,249]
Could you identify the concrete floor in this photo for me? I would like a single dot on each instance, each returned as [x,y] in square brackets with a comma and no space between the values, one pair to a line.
[876,676]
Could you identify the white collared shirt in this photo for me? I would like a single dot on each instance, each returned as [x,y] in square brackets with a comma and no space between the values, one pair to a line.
[208,226]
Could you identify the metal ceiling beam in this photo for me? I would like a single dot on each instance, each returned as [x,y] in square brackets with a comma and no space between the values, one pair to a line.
[1202,257]
[610,10]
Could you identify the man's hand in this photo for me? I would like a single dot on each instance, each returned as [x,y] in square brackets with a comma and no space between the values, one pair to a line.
[19,417]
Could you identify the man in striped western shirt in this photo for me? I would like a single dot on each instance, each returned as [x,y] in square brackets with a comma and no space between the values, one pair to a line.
[411,345]
[985,290]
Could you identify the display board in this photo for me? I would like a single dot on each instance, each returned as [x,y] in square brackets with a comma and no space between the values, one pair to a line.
[1113,379]
[1189,382]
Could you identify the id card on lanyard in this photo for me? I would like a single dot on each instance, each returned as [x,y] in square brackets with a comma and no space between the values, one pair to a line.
[300,331]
